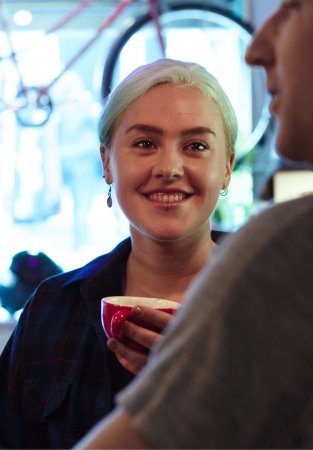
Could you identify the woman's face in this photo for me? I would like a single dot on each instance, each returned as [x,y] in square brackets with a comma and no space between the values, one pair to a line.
[168,162]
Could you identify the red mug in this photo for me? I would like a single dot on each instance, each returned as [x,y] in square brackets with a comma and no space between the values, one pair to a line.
[115,310]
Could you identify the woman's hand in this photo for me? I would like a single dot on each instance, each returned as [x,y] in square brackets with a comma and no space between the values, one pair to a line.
[134,357]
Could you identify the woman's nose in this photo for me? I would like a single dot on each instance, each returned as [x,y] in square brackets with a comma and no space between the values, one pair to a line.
[169,166]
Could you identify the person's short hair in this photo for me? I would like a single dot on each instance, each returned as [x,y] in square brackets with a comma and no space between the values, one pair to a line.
[165,72]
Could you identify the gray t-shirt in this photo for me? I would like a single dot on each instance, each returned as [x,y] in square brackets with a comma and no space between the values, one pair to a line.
[236,371]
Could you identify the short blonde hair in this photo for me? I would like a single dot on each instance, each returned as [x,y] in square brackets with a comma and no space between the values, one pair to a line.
[174,73]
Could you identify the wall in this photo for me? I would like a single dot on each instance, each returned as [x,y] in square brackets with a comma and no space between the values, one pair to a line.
[260,9]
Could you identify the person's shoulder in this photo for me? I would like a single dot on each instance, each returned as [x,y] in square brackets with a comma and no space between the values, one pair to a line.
[90,269]
[292,215]
[67,285]
[290,210]
[269,240]
[286,222]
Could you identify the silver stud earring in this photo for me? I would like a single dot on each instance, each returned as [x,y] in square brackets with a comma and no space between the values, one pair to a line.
[109,199]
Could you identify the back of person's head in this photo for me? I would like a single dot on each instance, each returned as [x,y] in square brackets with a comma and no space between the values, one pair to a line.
[28,270]
[165,72]
[33,267]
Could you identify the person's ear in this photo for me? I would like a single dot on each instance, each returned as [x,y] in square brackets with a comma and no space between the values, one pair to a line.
[105,158]
[228,169]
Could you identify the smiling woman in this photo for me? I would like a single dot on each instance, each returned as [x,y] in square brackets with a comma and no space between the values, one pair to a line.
[168,177]
[167,136]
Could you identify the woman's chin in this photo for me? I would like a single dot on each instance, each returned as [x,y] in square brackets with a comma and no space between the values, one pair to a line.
[167,237]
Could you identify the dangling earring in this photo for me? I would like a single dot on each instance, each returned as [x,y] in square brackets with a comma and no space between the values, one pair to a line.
[224,192]
[109,199]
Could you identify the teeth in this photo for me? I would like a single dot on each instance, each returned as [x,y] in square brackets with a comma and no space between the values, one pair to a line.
[166,198]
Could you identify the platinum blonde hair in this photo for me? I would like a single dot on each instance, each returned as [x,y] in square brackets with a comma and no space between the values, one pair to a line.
[165,72]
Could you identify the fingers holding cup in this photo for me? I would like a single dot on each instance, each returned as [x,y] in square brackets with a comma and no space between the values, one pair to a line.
[133,325]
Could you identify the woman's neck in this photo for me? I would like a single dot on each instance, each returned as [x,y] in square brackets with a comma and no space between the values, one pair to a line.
[164,269]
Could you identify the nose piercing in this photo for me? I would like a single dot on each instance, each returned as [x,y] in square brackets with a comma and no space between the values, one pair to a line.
[170,175]
[173,177]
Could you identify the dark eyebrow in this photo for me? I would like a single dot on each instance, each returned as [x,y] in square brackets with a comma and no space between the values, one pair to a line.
[157,130]
[143,127]
[198,130]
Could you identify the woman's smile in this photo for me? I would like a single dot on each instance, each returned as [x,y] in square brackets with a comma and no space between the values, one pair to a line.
[163,197]
[166,199]
[173,159]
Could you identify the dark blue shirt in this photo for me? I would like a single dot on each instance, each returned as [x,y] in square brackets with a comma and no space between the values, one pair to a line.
[57,377]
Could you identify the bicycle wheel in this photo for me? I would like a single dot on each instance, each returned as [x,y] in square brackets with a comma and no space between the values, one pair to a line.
[210,36]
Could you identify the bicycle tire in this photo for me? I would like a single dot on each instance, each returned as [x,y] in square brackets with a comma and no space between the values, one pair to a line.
[140,22]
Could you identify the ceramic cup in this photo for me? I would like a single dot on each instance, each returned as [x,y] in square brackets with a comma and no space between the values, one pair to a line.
[114,310]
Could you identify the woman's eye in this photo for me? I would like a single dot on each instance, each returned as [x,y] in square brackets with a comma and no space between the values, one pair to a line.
[144,144]
[200,146]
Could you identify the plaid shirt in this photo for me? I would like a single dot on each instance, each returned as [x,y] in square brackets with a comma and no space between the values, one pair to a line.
[57,378]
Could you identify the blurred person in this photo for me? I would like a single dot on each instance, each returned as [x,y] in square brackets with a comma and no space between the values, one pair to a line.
[234,369]
[167,136]
[27,270]
[78,159]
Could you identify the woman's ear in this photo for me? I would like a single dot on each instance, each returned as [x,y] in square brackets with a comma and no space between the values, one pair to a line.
[105,158]
[228,170]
